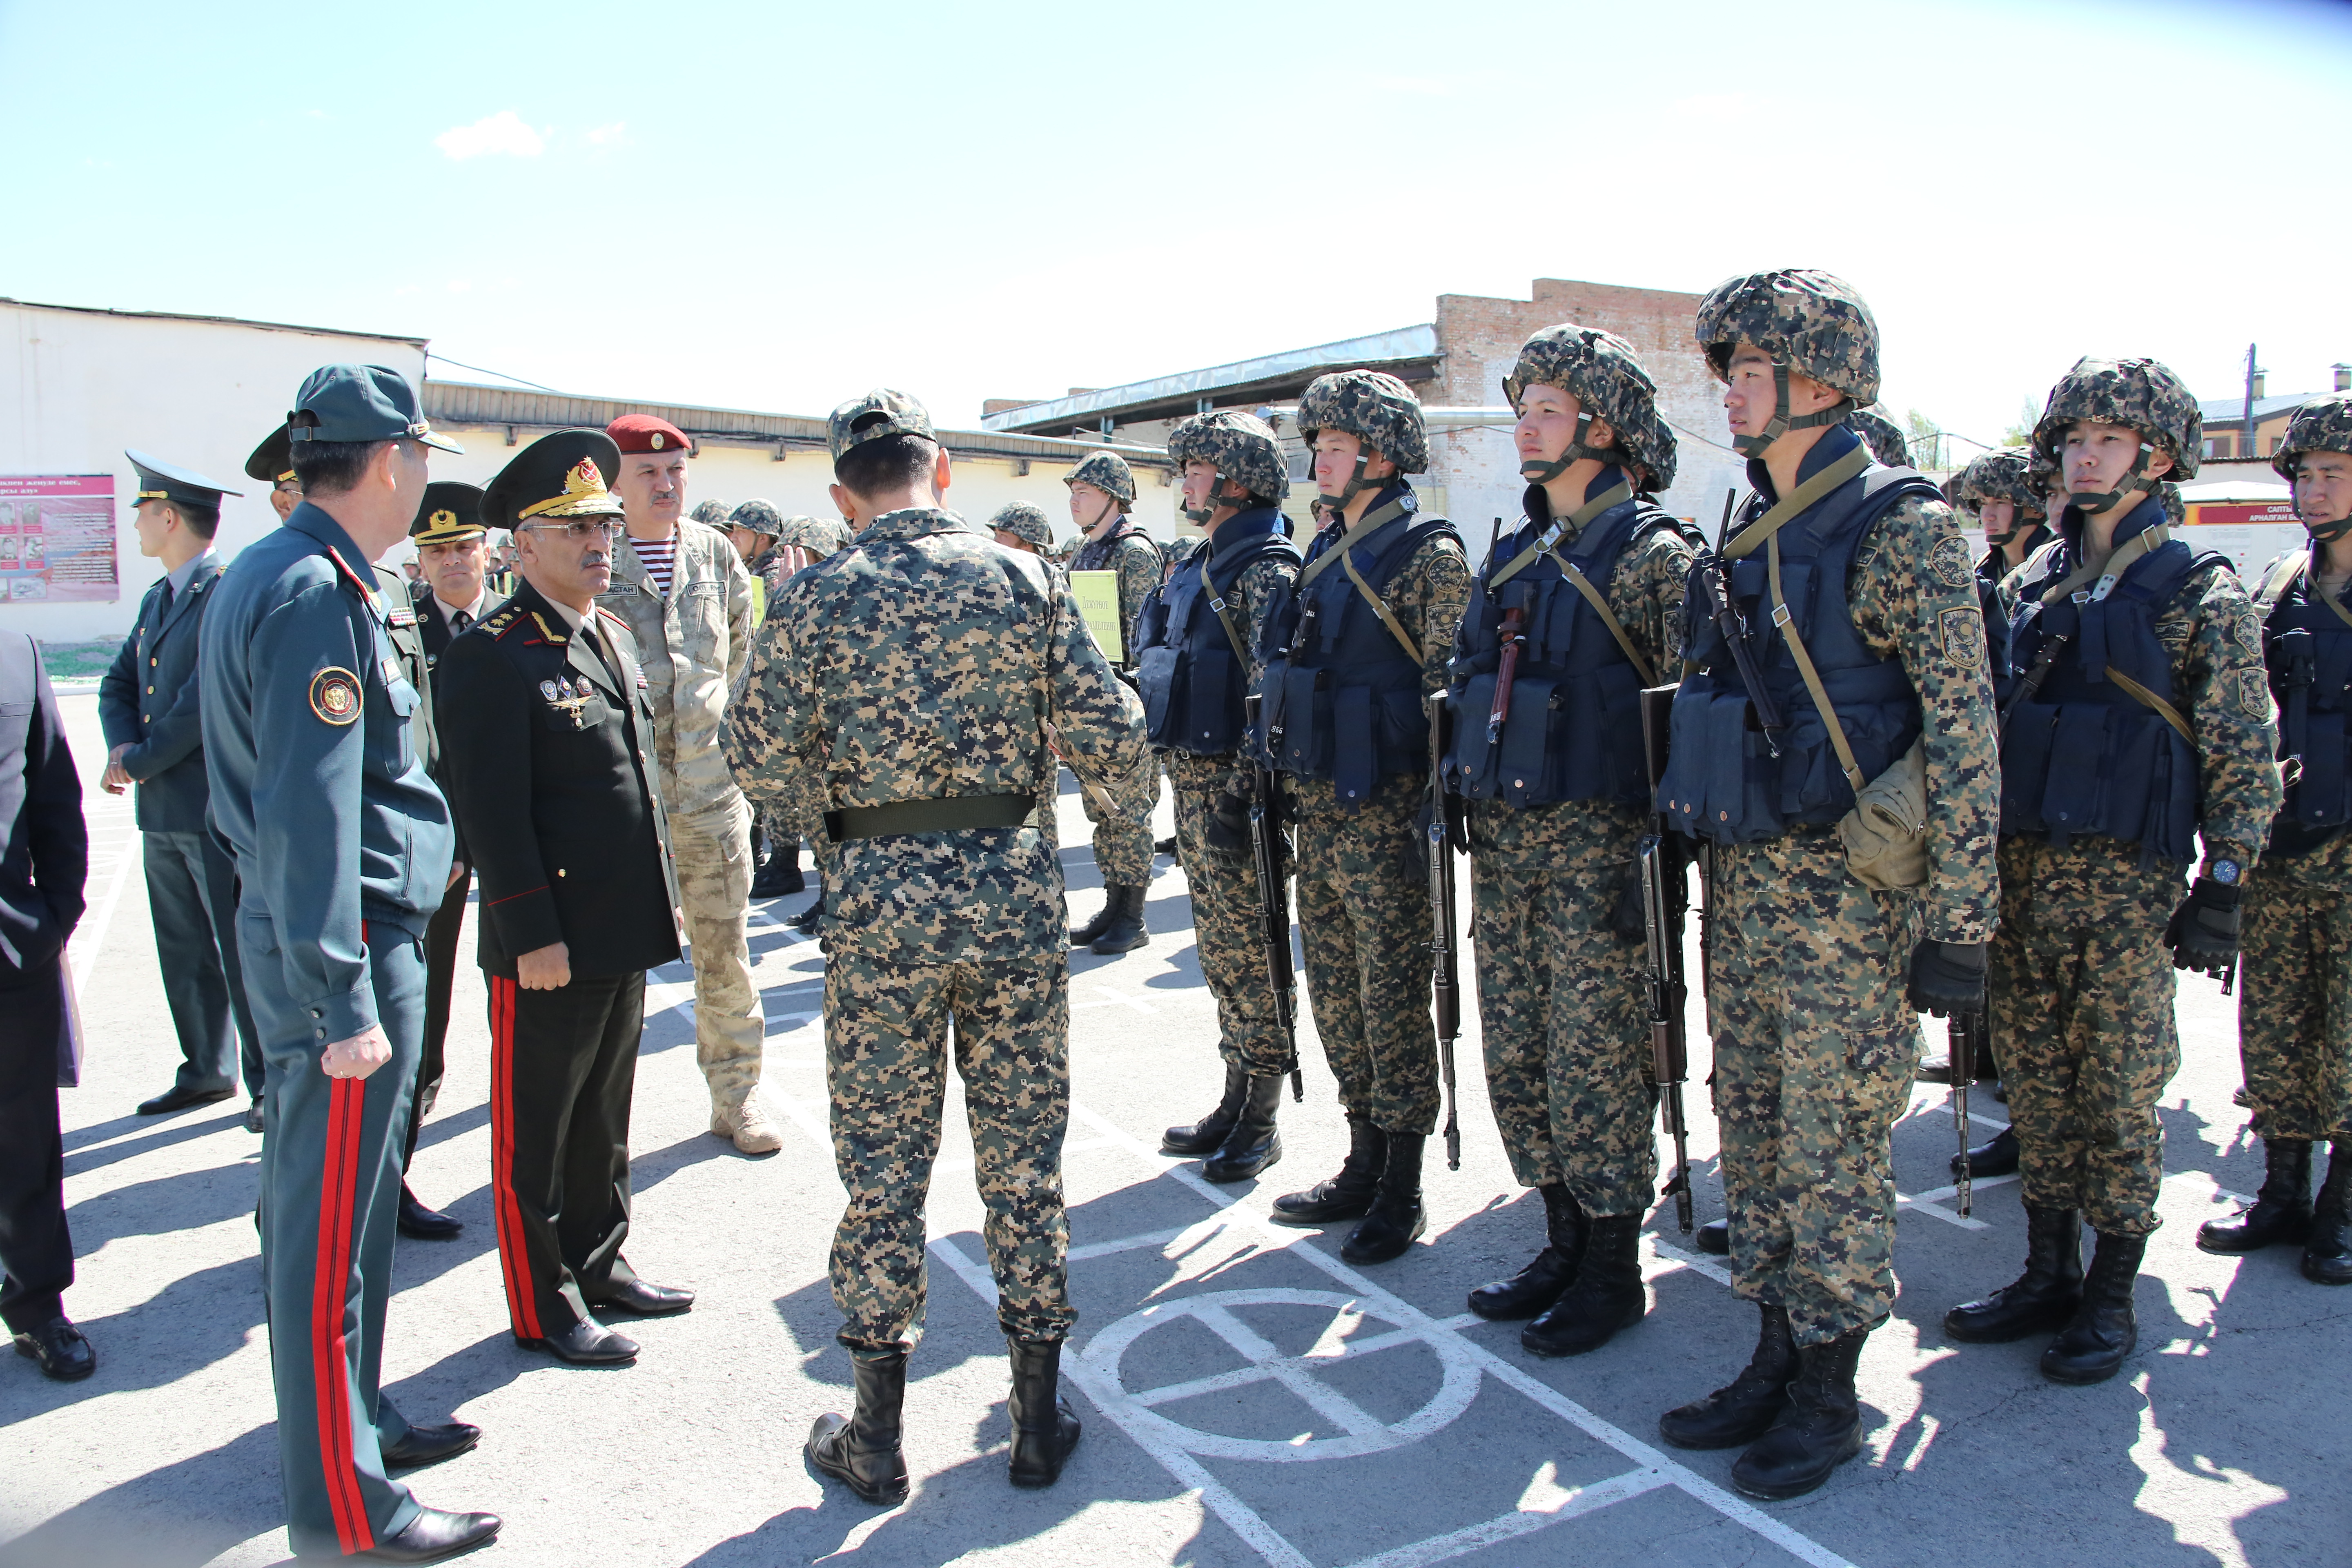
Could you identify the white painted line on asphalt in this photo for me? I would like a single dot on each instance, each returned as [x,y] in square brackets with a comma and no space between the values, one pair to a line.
[1533,1514]
[1695,1262]
[1932,1202]
[89,936]
[1125,1243]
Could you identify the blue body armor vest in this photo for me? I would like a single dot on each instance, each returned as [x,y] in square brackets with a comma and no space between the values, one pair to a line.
[2308,651]
[1342,696]
[1722,782]
[1192,679]
[2081,756]
[1574,728]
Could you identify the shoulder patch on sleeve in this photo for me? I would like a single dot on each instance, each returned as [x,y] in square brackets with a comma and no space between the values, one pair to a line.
[1950,561]
[1963,635]
[335,695]
[2246,631]
[2254,694]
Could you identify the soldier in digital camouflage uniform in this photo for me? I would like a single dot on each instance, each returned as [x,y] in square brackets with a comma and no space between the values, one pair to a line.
[1367,629]
[756,530]
[1102,492]
[1558,798]
[804,542]
[2295,1001]
[906,678]
[1815,1032]
[2136,720]
[688,601]
[1024,525]
[1196,661]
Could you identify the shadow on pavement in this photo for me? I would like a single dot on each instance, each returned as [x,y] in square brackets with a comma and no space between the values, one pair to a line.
[177,1516]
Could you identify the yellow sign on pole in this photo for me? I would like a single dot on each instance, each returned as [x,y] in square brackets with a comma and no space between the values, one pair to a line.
[1097,596]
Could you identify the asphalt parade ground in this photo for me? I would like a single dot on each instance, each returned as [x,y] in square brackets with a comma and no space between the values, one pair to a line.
[1248,1398]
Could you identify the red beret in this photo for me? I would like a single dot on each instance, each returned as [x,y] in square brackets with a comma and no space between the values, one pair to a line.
[645,433]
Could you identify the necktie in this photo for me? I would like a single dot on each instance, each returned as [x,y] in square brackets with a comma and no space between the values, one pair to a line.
[165,609]
[460,621]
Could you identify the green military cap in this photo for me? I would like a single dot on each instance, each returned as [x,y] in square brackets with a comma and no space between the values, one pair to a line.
[1025,521]
[273,461]
[881,412]
[160,480]
[451,511]
[360,402]
[567,474]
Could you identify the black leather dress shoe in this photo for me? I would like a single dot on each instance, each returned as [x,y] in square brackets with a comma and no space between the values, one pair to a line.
[421,1224]
[253,1120]
[435,1534]
[178,1099]
[640,1300]
[430,1445]
[588,1343]
[60,1350]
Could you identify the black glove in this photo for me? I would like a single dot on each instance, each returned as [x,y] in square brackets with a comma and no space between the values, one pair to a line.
[1948,977]
[2204,935]
[1228,833]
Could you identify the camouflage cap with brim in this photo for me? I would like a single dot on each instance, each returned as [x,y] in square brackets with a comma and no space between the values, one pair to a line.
[1813,320]
[1241,447]
[2142,394]
[1603,374]
[2005,473]
[1373,406]
[1107,472]
[2321,425]
[759,516]
[881,412]
[1025,521]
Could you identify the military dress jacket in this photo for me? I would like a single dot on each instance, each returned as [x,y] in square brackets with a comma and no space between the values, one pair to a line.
[695,642]
[149,701]
[547,744]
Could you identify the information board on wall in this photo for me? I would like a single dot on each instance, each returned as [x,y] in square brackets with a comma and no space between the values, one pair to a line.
[1097,596]
[2251,533]
[57,539]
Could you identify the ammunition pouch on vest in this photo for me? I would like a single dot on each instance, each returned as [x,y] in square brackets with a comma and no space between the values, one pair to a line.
[2307,646]
[1191,646]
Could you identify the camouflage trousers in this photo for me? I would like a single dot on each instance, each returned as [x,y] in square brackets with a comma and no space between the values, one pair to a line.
[2082,1021]
[1123,835]
[1565,1019]
[1224,924]
[1816,1044]
[713,852]
[2295,1001]
[887,1029]
[1364,927]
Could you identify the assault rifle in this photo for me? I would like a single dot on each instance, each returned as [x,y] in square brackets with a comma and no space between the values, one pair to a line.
[1514,635]
[1662,899]
[1715,587]
[1269,857]
[1445,977]
[1970,1039]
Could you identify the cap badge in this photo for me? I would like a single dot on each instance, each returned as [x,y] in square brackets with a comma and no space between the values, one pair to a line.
[657,440]
[441,519]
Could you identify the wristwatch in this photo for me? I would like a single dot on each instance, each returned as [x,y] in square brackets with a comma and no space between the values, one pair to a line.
[2223,872]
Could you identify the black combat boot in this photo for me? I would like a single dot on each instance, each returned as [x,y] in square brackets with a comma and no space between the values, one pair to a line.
[1819,1430]
[2280,1212]
[1207,1135]
[2327,1255]
[1348,1194]
[1545,1280]
[1607,1295]
[2091,1348]
[779,874]
[1083,936]
[1044,1427]
[1396,1218]
[2038,1301]
[1253,1144]
[1714,1237]
[864,1450]
[1740,1414]
[1996,1158]
[1125,931]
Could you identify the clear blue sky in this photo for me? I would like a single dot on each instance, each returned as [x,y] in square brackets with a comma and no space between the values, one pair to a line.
[777,205]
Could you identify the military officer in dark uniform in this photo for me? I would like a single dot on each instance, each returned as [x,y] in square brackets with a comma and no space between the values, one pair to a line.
[548,727]
[147,707]
[342,849]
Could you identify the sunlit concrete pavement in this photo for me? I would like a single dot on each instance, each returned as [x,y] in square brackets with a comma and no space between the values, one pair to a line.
[1248,1398]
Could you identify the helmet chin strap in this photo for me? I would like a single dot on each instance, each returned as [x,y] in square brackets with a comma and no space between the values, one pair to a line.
[2325,532]
[1200,516]
[2090,503]
[1535,471]
[1783,421]
[1357,483]
[2018,523]
[1110,505]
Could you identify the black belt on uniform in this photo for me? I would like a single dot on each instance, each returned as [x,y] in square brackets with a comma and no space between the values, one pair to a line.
[951,814]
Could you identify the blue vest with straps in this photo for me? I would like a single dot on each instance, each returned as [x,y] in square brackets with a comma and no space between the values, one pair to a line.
[1722,782]
[1574,728]
[1342,695]
[2080,756]
[1191,676]
[2308,649]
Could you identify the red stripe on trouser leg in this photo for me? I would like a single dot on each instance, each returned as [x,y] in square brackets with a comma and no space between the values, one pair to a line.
[330,1370]
[514,1256]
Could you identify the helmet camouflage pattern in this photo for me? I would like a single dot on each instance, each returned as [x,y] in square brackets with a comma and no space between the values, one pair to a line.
[1241,447]
[1603,374]
[2007,473]
[1177,550]
[759,516]
[820,537]
[1882,436]
[1373,406]
[1025,521]
[2321,425]
[712,513]
[2176,511]
[1107,472]
[1812,321]
[2139,394]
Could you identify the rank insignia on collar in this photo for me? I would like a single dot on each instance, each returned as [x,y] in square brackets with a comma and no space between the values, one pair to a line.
[335,695]
[550,633]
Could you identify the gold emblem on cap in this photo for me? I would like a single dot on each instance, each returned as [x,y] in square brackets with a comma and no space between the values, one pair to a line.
[657,440]
[581,485]
[335,695]
[441,519]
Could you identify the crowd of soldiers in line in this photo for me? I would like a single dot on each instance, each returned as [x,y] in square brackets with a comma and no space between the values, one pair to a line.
[1909,779]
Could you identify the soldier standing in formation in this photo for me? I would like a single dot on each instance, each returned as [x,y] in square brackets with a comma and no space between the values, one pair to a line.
[2295,1005]
[1850,588]
[687,599]
[1102,493]
[1587,594]
[2135,720]
[1196,658]
[753,527]
[1365,630]
[804,541]
[943,905]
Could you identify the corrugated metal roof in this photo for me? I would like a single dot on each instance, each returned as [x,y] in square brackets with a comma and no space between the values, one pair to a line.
[1403,343]
[2226,412]
[221,320]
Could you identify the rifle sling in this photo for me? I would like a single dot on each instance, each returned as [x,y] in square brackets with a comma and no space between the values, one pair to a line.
[2282,577]
[1812,677]
[1551,536]
[2171,714]
[1388,616]
[1376,518]
[1795,503]
[2114,566]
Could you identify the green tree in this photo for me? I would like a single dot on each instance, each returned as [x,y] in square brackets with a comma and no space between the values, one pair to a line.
[1926,440]
[2028,414]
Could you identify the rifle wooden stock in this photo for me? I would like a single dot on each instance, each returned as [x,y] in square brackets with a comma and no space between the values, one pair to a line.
[1659,865]
[1268,862]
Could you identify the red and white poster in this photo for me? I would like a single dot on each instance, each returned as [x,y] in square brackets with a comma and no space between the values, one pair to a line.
[57,539]
[2251,533]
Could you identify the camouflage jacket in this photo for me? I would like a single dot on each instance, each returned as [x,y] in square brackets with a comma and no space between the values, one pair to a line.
[1136,558]
[916,664]
[694,644]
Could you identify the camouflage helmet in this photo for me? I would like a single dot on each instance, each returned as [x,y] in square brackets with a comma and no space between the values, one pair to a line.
[1373,406]
[2139,393]
[1026,521]
[2321,425]
[1241,447]
[2005,473]
[712,513]
[2176,510]
[1811,322]
[1602,372]
[1177,551]
[1882,436]
[820,537]
[759,516]
[1107,472]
